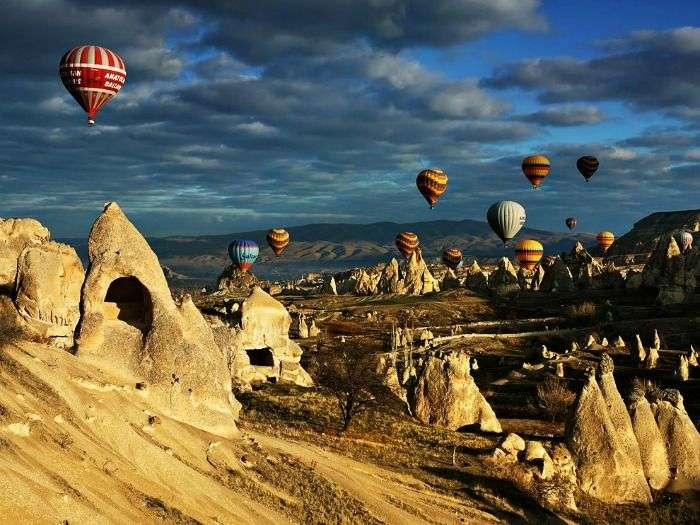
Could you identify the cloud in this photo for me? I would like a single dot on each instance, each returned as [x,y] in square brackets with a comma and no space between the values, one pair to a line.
[566,115]
[651,70]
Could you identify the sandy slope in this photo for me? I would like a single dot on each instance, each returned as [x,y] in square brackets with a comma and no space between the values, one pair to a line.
[76,444]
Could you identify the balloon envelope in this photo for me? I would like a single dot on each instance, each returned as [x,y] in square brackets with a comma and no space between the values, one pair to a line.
[452,258]
[506,218]
[432,183]
[92,75]
[685,241]
[535,168]
[528,252]
[407,243]
[571,222]
[243,253]
[605,240]
[587,165]
[278,240]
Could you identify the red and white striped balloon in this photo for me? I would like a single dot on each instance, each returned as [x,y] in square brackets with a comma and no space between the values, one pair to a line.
[93,75]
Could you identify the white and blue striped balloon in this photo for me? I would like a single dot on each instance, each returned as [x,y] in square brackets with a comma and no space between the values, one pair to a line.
[243,253]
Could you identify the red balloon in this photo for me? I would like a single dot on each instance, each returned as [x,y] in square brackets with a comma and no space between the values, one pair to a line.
[93,75]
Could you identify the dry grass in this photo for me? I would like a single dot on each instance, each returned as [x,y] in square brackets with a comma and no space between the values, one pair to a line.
[555,397]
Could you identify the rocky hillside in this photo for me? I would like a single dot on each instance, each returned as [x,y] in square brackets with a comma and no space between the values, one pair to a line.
[642,238]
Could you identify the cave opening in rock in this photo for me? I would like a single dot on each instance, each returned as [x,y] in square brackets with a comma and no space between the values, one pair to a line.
[128,300]
[261,357]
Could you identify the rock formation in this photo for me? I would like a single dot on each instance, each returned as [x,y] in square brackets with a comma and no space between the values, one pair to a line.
[236,282]
[651,443]
[682,371]
[15,236]
[131,325]
[619,416]
[504,279]
[584,267]
[639,353]
[329,287]
[257,345]
[46,295]
[674,274]
[446,395]
[476,280]
[680,437]
[692,357]
[557,277]
[603,468]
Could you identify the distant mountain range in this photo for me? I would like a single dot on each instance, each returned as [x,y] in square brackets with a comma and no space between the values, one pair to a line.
[334,247]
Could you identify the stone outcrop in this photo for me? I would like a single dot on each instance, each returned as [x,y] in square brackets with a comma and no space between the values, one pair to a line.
[40,282]
[413,277]
[619,416]
[557,277]
[47,295]
[450,280]
[255,340]
[15,236]
[446,395]
[131,325]
[476,280]
[674,274]
[236,282]
[584,267]
[680,437]
[329,287]
[651,444]
[604,469]
[504,279]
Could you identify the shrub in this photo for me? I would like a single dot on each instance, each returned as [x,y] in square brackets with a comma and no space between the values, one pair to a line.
[586,311]
[555,397]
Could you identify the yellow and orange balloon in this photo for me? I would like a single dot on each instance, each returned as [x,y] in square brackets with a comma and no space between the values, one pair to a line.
[407,243]
[605,240]
[528,252]
[452,258]
[278,240]
[535,168]
[432,183]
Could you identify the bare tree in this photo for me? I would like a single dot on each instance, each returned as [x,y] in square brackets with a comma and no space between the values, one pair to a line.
[350,374]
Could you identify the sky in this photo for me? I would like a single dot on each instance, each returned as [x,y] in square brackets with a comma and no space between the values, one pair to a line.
[259,113]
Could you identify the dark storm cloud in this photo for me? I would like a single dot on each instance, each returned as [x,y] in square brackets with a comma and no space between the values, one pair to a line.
[658,70]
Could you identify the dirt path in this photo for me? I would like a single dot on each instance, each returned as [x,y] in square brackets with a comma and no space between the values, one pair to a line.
[391,497]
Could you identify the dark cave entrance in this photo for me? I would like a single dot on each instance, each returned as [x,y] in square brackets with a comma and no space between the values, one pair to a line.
[261,357]
[128,300]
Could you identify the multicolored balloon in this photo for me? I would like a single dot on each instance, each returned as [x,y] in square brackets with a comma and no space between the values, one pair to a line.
[535,168]
[407,243]
[528,252]
[278,240]
[571,222]
[432,183]
[685,241]
[243,253]
[452,258]
[506,219]
[587,165]
[605,240]
[93,75]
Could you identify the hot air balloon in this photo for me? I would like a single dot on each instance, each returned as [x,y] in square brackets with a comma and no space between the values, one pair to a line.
[243,253]
[452,258]
[407,243]
[571,222]
[278,239]
[506,218]
[432,183]
[605,240]
[528,252]
[535,168]
[587,165]
[685,240]
[93,75]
